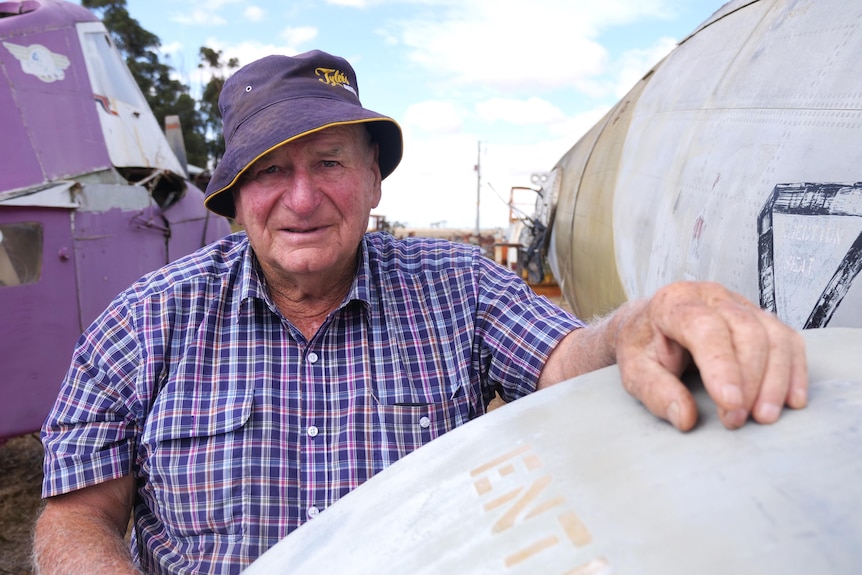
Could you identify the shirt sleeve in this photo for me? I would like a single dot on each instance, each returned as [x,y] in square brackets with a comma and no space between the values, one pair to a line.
[89,435]
[517,328]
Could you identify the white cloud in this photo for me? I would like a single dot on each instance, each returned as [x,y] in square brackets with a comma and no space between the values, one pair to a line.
[254,13]
[527,80]
[249,51]
[635,63]
[171,48]
[494,58]
[298,35]
[245,53]
[435,182]
[626,70]
[617,12]
[200,17]
[216,4]
[551,43]
[208,13]
[434,117]
[349,3]
[520,112]
[574,127]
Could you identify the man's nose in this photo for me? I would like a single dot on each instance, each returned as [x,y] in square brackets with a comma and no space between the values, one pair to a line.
[301,194]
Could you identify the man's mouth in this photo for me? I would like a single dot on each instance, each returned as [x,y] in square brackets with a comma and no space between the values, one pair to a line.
[302,230]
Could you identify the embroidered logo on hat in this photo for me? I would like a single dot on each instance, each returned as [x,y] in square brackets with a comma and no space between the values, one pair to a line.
[333,77]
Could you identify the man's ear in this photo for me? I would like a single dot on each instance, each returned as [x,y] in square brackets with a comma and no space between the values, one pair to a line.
[234,192]
[378,179]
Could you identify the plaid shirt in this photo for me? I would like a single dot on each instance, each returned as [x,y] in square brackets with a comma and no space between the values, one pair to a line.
[238,429]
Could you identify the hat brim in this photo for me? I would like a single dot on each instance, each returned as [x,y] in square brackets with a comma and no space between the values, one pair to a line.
[279,124]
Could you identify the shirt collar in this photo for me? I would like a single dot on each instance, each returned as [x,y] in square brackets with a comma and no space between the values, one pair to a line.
[252,282]
[362,284]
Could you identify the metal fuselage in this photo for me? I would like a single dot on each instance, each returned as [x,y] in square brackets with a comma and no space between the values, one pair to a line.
[91,195]
[736,159]
[579,479]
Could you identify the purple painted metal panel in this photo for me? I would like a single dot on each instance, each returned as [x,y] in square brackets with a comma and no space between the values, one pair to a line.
[61,120]
[39,326]
[50,129]
[64,127]
[57,116]
[18,164]
[191,227]
[112,250]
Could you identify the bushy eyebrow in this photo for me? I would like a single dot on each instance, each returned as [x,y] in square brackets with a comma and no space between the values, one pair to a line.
[335,144]
[327,146]
[334,150]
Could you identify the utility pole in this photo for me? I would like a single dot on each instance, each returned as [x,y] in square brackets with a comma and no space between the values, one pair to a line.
[478,184]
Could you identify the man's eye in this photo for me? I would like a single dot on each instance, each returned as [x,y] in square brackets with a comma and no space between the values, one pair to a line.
[329,163]
[267,174]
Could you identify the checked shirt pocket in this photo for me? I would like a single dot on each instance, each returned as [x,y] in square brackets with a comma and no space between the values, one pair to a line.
[196,456]
[406,427]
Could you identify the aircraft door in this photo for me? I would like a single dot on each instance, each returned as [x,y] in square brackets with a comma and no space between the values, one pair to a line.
[40,322]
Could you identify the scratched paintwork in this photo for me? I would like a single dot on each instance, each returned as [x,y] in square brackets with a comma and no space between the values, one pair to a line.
[818,255]
[765,94]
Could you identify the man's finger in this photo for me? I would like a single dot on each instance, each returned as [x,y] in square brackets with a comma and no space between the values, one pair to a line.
[785,381]
[663,394]
[748,360]
[706,333]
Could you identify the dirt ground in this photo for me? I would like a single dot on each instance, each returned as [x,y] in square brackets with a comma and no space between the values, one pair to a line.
[20,484]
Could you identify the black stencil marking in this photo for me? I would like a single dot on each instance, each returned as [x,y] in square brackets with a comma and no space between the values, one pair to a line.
[811,200]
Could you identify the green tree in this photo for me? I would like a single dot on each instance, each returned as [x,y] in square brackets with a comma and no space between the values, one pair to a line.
[211,60]
[164,93]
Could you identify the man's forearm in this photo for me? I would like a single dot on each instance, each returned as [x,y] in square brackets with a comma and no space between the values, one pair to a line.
[587,349]
[83,532]
[68,542]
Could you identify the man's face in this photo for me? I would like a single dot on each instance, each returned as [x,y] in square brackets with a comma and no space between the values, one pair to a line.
[305,205]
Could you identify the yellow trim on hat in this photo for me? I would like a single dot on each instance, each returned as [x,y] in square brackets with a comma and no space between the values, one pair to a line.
[233,182]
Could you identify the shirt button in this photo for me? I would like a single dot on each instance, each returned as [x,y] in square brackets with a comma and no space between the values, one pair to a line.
[313,431]
[313,512]
[313,357]
[424,422]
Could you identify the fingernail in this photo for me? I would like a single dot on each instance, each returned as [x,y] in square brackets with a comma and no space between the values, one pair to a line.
[736,418]
[732,396]
[768,412]
[800,397]
[673,414]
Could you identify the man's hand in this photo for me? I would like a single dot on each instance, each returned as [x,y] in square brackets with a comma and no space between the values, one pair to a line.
[750,362]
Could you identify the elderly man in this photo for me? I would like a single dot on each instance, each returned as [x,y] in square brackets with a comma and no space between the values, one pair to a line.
[233,395]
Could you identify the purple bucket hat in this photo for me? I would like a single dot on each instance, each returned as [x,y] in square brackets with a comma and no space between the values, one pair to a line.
[278,99]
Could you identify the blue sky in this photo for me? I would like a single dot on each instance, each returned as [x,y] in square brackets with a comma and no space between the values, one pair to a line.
[526,78]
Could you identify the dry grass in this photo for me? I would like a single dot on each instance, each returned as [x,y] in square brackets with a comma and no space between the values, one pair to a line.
[20,485]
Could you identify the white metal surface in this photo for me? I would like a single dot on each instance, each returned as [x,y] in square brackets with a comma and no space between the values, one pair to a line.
[580,479]
[770,95]
[737,160]
[132,134]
